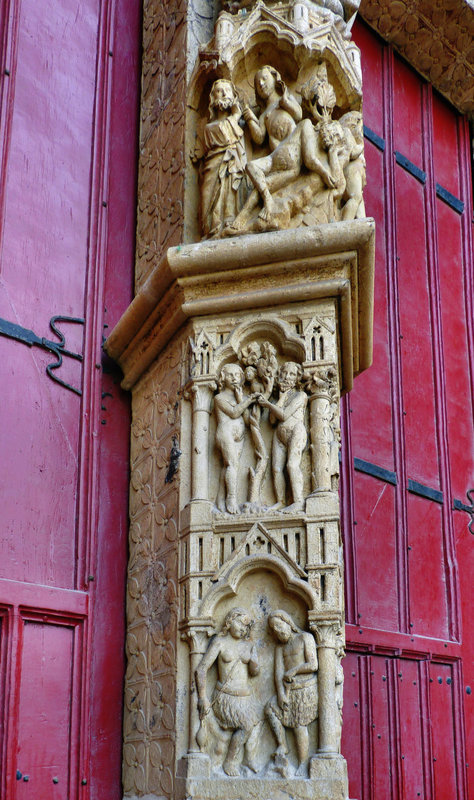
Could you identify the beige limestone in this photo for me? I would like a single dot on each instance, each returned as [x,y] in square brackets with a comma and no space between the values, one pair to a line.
[237,349]
[235,594]
[278,140]
[436,38]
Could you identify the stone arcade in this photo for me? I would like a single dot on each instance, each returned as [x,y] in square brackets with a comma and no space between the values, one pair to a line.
[237,349]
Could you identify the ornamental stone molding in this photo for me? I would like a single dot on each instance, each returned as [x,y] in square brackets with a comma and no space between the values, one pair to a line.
[236,357]
[436,37]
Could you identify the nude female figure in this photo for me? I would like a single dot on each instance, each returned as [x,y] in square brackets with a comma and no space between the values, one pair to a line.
[232,415]
[233,702]
[281,110]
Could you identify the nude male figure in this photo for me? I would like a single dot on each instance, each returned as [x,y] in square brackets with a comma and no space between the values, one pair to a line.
[295,704]
[290,437]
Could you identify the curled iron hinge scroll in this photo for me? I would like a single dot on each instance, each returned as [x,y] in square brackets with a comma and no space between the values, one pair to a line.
[13,331]
[470,509]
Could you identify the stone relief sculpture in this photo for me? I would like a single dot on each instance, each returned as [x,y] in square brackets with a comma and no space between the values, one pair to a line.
[265,405]
[280,109]
[315,166]
[223,155]
[231,407]
[290,437]
[261,368]
[295,704]
[233,701]
[306,118]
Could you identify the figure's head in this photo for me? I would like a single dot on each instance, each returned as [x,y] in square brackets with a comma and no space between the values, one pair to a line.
[238,623]
[222,96]
[250,374]
[331,134]
[288,376]
[265,83]
[231,376]
[281,624]
[250,353]
[353,121]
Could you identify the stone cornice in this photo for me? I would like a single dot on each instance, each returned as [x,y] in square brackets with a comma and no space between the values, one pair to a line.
[436,37]
[252,272]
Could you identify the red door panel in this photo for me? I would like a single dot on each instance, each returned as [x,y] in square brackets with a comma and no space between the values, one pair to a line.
[445,143]
[412,756]
[69,87]
[442,730]
[352,727]
[427,577]
[409,555]
[45,713]
[375,544]
[415,326]
[382,744]
[407,112]
[373,397]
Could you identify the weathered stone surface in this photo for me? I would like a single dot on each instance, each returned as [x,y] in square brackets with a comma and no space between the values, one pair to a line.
[240,551]
[436,37]
[237,350]
[279,144]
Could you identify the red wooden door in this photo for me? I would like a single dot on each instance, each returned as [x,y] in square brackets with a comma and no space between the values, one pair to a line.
[408,453]
[69,86]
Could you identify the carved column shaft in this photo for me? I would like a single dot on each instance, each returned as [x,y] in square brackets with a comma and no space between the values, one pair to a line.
[201,401]
[320,441]
[328,716]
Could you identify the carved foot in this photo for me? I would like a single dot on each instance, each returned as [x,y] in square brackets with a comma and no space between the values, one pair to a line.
[277,507]
[232,506]
[267,211]
[251,764]
[232,230]
[281,764]
[294,508]
[231,768]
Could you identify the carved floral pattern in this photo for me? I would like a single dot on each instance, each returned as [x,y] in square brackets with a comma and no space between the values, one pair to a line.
[161,162]
[436,36]
[152,598]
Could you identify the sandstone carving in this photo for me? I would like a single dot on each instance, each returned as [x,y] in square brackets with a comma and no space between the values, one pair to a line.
[227,697]
[301,144]
[295,704]
[261,367]
[289,438]
[232,414]
[233,701]
[223,159]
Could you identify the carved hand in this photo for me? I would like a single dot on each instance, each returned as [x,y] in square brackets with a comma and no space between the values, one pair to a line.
[248,115]
[204,707]
[289,675]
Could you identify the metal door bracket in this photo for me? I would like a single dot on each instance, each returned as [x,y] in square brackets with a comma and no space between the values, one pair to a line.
[58,348]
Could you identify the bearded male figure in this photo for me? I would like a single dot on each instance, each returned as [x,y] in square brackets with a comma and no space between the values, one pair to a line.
[223,170]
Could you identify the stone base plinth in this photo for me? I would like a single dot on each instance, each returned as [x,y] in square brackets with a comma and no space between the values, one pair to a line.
[330,788]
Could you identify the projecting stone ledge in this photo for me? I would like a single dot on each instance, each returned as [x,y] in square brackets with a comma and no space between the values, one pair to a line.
[334,260]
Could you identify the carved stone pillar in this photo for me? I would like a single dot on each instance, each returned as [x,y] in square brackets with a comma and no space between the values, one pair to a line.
[326,635]
[320,440]
[201,394]
[237,349]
